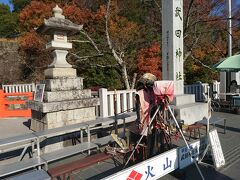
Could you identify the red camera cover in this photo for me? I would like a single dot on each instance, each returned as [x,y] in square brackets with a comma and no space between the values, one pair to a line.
[164,88]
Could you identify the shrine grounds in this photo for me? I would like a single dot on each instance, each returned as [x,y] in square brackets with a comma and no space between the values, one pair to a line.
[230,145]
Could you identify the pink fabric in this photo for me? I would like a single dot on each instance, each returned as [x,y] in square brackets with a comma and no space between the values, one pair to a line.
[164,88]
[149,98]
[146,99]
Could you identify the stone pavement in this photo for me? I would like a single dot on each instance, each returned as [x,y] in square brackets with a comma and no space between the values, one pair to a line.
[13,127]
[230,144]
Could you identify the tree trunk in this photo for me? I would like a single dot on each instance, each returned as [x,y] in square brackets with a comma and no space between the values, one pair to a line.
[119,60]
[125,75]
[134,80]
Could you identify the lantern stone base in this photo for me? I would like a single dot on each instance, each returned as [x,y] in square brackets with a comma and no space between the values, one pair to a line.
[41,121]
[63,84]
[51,73]
[65,102]
[63,105]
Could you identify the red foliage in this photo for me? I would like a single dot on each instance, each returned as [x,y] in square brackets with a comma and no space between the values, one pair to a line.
[31,42]
[32,15]
[77,14]
[149,61]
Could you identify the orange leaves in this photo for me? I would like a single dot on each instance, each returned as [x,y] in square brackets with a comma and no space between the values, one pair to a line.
[199,53]
[121,29]
[33,14]
[100,14]
[31,42]
[76,14]
[195,68]
[148,60]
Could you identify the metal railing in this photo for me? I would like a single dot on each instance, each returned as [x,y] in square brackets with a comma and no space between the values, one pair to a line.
[198,89]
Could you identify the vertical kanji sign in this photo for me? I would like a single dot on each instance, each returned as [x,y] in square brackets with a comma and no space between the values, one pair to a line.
[172,43]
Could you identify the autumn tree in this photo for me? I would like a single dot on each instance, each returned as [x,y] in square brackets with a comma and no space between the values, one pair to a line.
[148,60]
[114,32]
[32,45]
[120,35]
[112,36]
[205,38]
[35,56]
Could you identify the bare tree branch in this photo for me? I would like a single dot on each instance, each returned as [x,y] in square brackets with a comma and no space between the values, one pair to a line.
[100,65]
[83,57]
[73,40]
[189,52]
[118,58]
[159,7]
[187,16]
[105,66]
[90,39]
[197,60]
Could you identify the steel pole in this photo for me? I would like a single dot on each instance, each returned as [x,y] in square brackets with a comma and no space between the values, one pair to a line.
[228,74]
[229,27]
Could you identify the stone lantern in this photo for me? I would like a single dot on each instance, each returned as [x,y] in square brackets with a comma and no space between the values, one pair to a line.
[59,28]
[65,102]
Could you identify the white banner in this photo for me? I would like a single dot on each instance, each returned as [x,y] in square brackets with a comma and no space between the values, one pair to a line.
[197,147]
[150,169]
[216,149]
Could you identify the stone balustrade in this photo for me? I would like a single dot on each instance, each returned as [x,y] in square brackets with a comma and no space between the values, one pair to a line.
[121,100]
[16,88]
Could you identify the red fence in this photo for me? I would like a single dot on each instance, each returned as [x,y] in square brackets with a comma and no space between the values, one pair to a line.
[14,104]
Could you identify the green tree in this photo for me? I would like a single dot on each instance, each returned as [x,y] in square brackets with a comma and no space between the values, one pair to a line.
[19,4]
[4,9]
[8,21]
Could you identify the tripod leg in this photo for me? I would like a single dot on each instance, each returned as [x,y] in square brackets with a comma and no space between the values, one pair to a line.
[189,150]
[139,141]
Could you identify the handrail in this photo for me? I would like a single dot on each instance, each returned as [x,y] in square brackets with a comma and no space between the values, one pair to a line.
[124,100]
[15,88]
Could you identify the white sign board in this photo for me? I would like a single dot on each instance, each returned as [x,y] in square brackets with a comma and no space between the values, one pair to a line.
[186,158]
[150,169]
[217,153]
[38,95]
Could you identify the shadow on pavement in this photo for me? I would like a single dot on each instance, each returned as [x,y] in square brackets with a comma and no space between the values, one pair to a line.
[228,128]
[27,123]
[208,172]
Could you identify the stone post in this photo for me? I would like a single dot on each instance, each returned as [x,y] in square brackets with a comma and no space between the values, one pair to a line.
[172,62]
[172,43]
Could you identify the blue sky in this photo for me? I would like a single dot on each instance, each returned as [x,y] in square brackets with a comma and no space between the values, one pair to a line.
[7,2]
